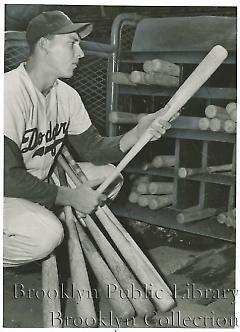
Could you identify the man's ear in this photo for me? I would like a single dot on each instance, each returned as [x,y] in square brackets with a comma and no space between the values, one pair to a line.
[43,44]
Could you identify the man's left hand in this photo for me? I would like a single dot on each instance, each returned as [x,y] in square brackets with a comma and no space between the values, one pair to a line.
[157,129]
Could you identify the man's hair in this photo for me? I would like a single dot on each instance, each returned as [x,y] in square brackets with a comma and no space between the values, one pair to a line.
[32,46]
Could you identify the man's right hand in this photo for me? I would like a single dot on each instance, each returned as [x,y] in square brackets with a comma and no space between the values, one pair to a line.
[83,198]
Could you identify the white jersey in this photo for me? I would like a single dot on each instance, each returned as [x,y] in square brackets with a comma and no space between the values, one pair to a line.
[38,124]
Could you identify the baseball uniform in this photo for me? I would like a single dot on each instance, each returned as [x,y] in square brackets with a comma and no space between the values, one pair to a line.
[34,128]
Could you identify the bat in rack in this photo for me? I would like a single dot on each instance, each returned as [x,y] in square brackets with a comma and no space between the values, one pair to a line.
[198,77]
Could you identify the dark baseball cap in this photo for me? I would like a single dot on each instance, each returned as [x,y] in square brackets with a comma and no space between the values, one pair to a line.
[54,22]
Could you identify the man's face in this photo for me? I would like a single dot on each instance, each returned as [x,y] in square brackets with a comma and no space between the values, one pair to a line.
[64,52]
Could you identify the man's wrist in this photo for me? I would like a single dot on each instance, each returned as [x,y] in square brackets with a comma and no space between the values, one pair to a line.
[129,139]
[63,196]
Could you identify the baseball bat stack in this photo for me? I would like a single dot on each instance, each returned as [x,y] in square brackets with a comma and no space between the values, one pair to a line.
[119,266]
[154,195]
[155,72]
[228,218]
[219,118]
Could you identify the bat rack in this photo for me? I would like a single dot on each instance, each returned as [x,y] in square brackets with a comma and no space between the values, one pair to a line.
[192,148]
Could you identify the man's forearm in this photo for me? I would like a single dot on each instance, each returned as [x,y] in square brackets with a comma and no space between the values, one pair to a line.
[128,140]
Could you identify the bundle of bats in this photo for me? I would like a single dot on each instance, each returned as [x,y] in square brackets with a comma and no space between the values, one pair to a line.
[220,118]
[228,218]
[155,72]
[115,258]
[154,195]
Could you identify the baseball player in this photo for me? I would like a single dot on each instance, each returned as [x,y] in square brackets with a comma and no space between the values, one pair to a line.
[41,112]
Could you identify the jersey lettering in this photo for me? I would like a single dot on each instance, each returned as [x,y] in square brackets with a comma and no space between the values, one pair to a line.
[33,138]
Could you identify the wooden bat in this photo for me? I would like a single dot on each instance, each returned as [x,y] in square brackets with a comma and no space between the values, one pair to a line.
[133,197]
[158,202]
[161,66]
[49,283]
[184,172]
[158,188]
[230,107]
[230,126]
[85,307]
[143,200]
[138,77]
[189,216]
[141,304]
[122,78]
[213,111]
[216,124]
[142,188]
[204,123]
[125,117]
[233,115]
[198,77]
[182,122]
[104,276]
[138,262]
[163,161]
[161,79]
[133,255]
[228,218]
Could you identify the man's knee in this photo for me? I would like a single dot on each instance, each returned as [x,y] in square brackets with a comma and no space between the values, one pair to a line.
[49,240]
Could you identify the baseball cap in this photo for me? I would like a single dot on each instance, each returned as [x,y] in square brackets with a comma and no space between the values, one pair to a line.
[54,22]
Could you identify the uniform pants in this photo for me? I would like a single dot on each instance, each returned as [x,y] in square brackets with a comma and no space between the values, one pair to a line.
[31,231]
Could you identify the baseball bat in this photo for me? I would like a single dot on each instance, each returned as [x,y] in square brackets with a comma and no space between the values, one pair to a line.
[158,202]
[143,200]
[142,305]
[135,258]
[230,126]
[126,279]
[198,77]
[122,78]
[125,117]
[161,79]
[158,188]
[204,123]
[161,66]
[190,216]
[184,172]
[231,106]
[49,283]
[138,77]
[213,111]
[233,115]
[133,255]
[182,122]
[85,307]
[133,197]
[216,124]
[163,161]
[104,276]
[142,188]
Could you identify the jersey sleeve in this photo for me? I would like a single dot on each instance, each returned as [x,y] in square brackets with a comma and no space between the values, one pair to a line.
[21,184]
[79,118]
[14,113]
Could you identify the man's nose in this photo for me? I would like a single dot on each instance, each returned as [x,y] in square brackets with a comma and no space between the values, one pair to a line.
[79,52]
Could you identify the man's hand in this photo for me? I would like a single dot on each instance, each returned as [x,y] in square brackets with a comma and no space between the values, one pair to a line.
[157,129]
[83,198]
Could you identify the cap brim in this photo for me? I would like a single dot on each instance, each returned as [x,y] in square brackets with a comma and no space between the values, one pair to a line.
[84,29]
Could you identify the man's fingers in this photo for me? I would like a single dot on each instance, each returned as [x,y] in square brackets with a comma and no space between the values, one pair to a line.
[95,183]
